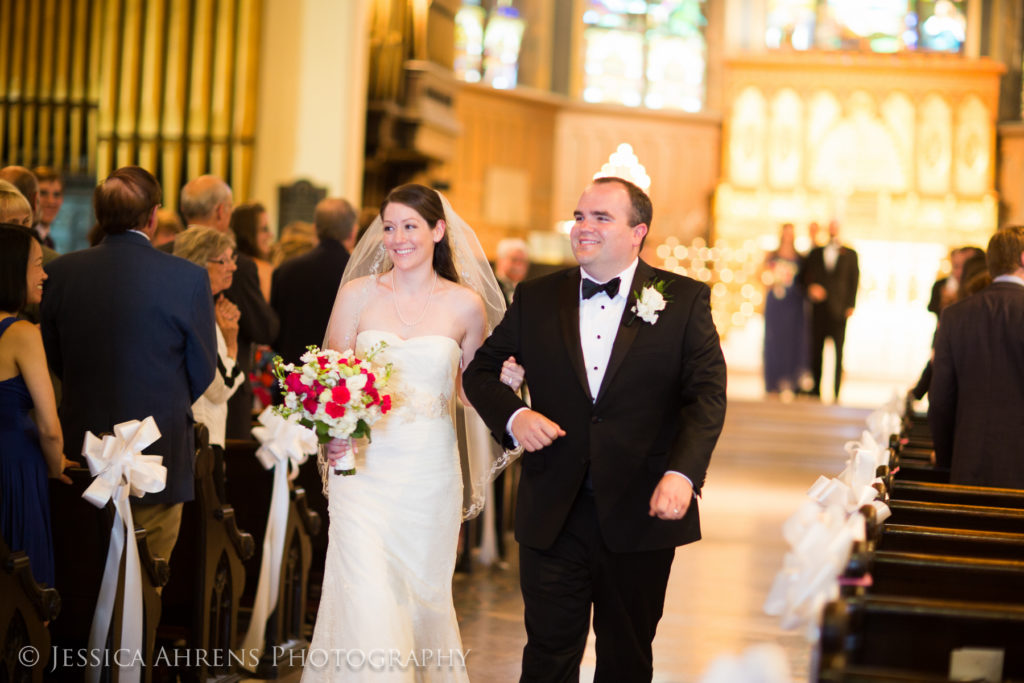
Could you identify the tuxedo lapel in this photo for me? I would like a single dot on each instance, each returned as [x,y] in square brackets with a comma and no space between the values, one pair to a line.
[569,313]
[629,326]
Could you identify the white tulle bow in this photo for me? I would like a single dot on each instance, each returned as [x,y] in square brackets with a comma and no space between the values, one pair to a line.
[284,446]
[121,470]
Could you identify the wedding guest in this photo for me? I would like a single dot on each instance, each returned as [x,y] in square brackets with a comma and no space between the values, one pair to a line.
[51,198]
[168,225]
[127,345]
[208,201]
[511,264]
[215,251]
[30,453]
[253,238]
[14,208]
[976,396]
[26,183]
[296,239]
[785,331]
[304,287]
[831,276]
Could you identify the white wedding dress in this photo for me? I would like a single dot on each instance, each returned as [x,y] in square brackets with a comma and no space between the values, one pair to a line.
[386,611]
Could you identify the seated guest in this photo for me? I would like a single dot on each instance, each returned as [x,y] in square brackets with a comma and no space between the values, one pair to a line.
[252,237]
[977,390]
[215,251]
[305,287]
[29,453]
[130,332]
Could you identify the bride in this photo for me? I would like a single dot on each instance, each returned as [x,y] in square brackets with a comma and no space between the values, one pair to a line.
[419,283]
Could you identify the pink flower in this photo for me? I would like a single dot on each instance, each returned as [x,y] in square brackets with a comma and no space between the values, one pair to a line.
[293,383]
[341,394]
[310,404]
[335,409]
[322,360]
[385,404]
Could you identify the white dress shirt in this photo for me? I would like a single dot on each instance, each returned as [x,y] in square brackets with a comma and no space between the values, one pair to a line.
[831,255]
[212,407]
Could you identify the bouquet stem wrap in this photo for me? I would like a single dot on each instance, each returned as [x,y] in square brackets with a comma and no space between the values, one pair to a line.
[121,470]
[285,445]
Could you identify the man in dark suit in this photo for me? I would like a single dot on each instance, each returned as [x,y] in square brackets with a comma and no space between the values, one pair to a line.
[831,276]
[511,264]
[129,330]
[976,398]
[627,405]
[208,201]
[303,289]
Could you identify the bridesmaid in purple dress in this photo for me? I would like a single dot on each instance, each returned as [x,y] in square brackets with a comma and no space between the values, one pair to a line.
[28,453]
[785,333]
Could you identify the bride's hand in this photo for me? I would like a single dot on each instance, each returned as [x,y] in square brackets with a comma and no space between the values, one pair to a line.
[337,449]
[512,373]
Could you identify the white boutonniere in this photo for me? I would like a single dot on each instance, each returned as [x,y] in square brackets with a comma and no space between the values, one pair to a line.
[650,300]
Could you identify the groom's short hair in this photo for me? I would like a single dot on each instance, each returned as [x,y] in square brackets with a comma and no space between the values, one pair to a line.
[642,210]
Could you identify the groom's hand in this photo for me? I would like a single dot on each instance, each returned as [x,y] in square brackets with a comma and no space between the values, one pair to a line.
[671,497]
[533,431]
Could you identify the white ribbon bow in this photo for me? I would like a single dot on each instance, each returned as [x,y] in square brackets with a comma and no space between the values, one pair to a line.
[285,445]
[121,470]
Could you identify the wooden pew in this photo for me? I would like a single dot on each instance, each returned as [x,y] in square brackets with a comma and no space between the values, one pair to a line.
[24,610]
[81,535]
[950,516]
[202,598]
[948,577]
[250,486]
[887,637]
[956,494]
[958,542]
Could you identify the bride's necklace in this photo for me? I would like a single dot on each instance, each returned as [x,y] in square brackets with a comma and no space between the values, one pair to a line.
[398,311]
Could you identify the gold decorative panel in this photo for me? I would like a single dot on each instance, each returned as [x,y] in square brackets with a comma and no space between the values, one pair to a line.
[91,85]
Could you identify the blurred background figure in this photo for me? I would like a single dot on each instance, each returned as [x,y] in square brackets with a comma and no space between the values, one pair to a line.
[511,265]
[14,208]
[946,290]
[296,239]
[252,232]
[366,216]
[785,330]
[168,225]
[51,198]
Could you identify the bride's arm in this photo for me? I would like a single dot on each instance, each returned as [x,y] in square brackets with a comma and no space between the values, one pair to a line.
[474,320]
[344,322]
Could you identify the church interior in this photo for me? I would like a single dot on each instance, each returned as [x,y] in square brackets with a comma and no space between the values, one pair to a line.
[899,120]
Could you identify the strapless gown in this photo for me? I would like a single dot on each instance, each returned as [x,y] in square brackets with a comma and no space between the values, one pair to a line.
[386,611]
[24,485]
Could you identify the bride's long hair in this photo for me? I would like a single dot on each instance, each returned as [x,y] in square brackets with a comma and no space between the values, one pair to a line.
[427,203]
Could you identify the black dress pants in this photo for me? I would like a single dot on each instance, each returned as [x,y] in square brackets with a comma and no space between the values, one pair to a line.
[824,326]
[627,591]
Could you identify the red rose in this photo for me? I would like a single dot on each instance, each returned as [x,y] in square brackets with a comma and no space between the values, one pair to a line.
[322,360]
[310,404]
[370,378]
[373,394]
[385,405]
[340,394]
[335,409]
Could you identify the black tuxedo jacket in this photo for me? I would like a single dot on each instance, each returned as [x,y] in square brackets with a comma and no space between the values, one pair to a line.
[660,407]
[976,398]
[129,330]
[302,294]
[840,283]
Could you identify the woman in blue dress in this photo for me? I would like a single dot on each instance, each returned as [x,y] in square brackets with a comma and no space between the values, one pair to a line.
[785,334]
[28,454]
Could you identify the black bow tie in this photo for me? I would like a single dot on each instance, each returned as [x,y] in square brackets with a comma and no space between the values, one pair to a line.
[590,288]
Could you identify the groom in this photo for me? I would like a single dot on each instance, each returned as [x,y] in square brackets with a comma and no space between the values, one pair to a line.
[627,408]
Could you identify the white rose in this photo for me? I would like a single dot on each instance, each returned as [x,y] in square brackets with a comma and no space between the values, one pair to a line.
[652,299]
[356,382]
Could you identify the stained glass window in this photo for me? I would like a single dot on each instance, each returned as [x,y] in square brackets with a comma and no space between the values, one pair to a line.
[645,52]
[867,25]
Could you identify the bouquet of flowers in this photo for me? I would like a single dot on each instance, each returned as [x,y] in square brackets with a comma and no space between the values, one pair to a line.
[335,394]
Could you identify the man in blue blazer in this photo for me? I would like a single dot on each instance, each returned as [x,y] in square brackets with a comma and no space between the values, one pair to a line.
[129,330]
